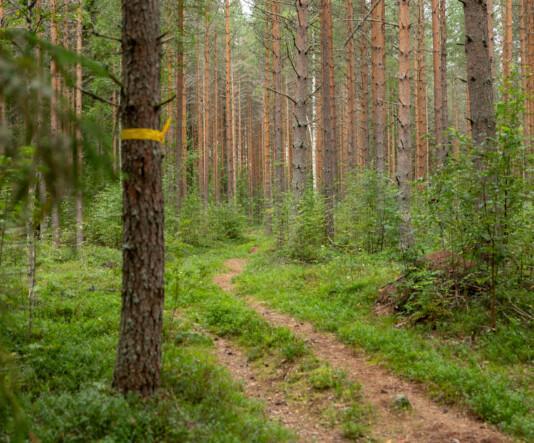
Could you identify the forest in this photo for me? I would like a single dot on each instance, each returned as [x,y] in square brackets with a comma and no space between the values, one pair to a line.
[266,221]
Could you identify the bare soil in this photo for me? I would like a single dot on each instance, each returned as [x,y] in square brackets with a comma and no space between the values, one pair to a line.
[426,421]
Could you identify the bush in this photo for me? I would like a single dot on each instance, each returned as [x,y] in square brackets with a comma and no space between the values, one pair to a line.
[103,225]
[307,230]
[367,218]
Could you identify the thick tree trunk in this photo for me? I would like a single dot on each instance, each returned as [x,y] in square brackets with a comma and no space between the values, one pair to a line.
[404,146]
[229,141]
[479,77]
[527,69]
[378,59]
[328,111]
[139,350]
[79,143]
[300,145]
[2,102]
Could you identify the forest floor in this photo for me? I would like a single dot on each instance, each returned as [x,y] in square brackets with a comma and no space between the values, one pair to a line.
[402,412]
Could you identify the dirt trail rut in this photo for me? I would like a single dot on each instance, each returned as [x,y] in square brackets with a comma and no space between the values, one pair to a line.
[426,422]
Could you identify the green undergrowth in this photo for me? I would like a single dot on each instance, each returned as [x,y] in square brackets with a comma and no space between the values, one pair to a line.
[60,373]
[273,351]
[491,375]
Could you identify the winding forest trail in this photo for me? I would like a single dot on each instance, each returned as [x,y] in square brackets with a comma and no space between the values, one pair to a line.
[426,422]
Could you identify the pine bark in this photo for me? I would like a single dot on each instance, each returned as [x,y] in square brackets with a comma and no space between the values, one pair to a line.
[54,119]
[328,114]
[79,141]
[378,77]
[266,131]
[352,115]
[229,141]
[180,109]
[404,146]
[438,87]
[421,123]
[300,140]
[508,40]
[139,350]
[363,89]
[479,76]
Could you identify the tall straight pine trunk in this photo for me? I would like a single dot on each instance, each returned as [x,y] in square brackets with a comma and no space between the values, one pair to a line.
[300,140]
[378,79]
[404,145]
[328,114]
[138,362]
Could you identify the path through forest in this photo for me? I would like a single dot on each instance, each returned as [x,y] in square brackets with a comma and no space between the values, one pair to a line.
[426,421]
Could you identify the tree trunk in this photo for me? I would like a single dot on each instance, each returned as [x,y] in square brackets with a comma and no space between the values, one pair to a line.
[421,130]
[180,109]
[527,70]
[54,120]
[215,167]
[267,176]
[479,78]
[404,146]
[363,96]
[378,56]
[508,41]
[206,142]
[79,143]
[444,152]
[139,350]
[352,126]
[328,112]
[300,146]
[438,88]
[229,143]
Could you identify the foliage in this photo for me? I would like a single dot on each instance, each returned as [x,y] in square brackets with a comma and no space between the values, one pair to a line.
[339,296]
[307,236]
[367,218]
[479,210]
[103,223]
[64,368]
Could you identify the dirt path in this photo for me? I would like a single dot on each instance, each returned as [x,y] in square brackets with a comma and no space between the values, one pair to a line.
[301,420]
[426,422]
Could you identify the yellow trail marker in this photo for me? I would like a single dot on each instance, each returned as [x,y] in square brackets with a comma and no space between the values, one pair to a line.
[146,134]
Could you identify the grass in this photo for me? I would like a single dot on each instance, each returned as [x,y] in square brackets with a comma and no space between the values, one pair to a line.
[338,296]
[271,350]
[62,371]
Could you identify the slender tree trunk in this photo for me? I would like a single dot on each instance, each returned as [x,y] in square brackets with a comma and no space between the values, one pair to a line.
[444,152]
[352,114]
[277,122]
[479,77]
[421,129]
[363,96]
[328,115]
[180,108]
[527,69]
[491,37]
[378,56]
[79,142]
[139,350]
[215,167]
[404,146]
[229,143]
[300,146]
[438,88]
[2,102]
[267,176]
[508,40]
[54,120]
[206,115]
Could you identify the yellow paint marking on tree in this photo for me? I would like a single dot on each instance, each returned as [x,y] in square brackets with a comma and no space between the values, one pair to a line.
[146,134]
